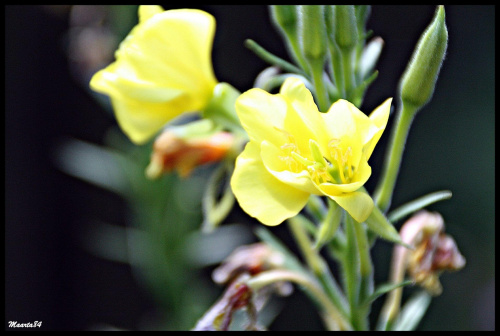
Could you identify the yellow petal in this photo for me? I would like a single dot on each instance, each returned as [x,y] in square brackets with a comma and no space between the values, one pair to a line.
[262,115]
[260,194]
[302,114]
[114,82]
[358,204]
[344,119]
[273,160]
[142,120]
[147,11]
[165,59]
[379,118]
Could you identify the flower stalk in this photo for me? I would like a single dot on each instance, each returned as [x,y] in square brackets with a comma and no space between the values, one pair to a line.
[310,285]
[417,86]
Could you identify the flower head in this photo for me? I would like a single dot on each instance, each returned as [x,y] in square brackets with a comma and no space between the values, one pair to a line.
[163,68]
[295,151]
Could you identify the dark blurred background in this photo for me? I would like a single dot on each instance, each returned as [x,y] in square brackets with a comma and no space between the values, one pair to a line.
[50,277]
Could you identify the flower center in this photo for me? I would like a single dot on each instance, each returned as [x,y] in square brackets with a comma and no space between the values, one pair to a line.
[337,169]
[343,160]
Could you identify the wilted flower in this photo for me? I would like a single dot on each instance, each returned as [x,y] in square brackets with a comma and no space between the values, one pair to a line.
[163,68]
[434,252]
[251,259]
[295,151]
[183,154]
[236,296]
[239,267]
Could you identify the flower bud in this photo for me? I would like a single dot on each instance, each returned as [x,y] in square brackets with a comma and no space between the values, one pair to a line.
[346,31]
[370,56]
[419,80]
[172,151]
[312,31]
[284,18]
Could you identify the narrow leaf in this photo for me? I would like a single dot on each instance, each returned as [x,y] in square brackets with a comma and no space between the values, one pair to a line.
[418,204]
[383,289]
[412,312]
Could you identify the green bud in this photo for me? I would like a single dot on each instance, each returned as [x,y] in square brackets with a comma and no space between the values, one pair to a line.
[285,20]
[330,23]
[312,31]
[362,13]
[419,80]
[346,32]
[284,17]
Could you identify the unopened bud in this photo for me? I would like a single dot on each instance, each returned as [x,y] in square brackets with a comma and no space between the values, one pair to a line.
[284,18]
[312,31]
[370,56]
[419,80]
[346,31]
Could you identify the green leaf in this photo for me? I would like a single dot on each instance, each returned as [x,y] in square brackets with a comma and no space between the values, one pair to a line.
[379,224]
[383,289]
[418,204]
[412,312]
[266,56]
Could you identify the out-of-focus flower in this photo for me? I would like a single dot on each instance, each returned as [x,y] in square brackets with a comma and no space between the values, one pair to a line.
[219,316]
[434,252]
[234,272]
[251,259]
[295,151]
[183,154]
[163,68]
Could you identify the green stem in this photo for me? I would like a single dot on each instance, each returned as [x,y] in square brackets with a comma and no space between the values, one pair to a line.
[337,69]
[348,72]
[316,263]
[319,86]
[297,55]
[366,272]
[272,59]
[351,267]
[312,258]
[384,190]
[310,285]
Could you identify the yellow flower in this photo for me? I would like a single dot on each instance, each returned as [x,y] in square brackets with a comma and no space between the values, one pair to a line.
[163,68]
[295,151]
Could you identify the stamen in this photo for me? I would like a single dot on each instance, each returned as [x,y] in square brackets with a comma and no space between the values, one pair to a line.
[348,160]
[343,160]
